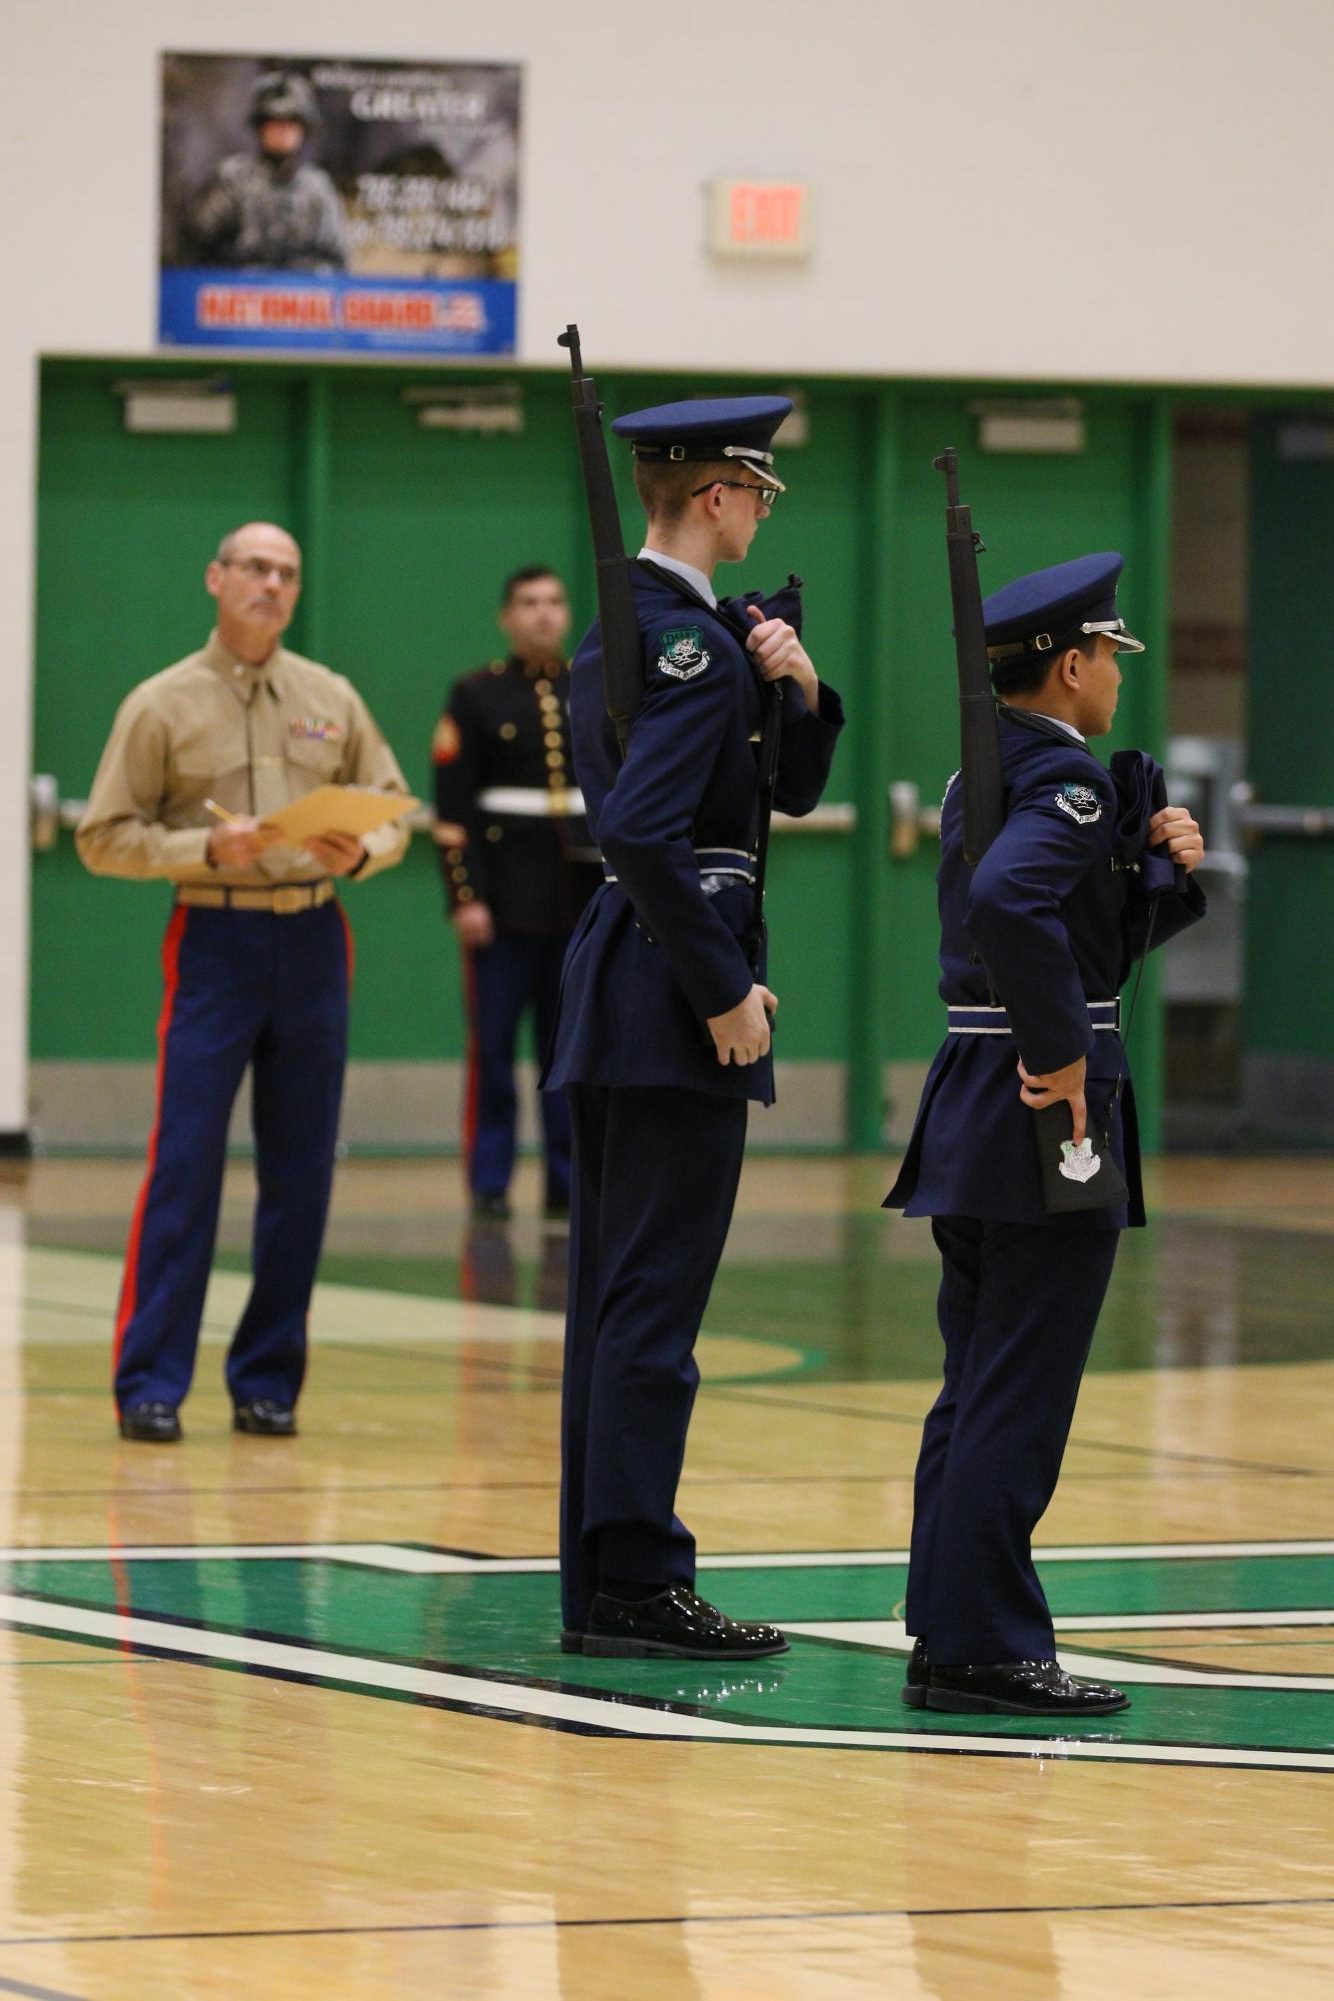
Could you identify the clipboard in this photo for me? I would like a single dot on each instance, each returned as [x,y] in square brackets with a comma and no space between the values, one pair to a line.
[343,809]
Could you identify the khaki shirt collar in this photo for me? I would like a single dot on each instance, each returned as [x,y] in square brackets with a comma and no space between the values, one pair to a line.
[243,679]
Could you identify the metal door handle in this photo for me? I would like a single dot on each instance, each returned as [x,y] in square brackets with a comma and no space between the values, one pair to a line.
[909,820]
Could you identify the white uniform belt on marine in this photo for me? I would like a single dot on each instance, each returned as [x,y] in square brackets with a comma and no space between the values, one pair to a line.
[538,802]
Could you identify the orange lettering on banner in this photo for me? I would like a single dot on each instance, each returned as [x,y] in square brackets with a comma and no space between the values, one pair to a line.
[258,306]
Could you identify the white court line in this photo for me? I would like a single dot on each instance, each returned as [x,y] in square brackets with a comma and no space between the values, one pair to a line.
[891,1636]
[426,1562]
[615,1718]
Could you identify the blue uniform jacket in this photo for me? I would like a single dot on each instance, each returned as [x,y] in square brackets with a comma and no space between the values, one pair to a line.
[1056,913]
[660,949]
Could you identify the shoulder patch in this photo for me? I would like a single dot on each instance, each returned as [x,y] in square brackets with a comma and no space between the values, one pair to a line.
[1081,802]
[682,652]
[446,743]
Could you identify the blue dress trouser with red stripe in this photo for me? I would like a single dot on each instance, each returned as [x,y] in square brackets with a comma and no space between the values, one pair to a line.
[502,981]
[242,988]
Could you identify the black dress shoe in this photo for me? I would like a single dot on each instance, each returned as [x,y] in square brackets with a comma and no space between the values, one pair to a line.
[151,1423]
[490,1209]
[1020,1688]
[266,1418]
[675,1623]
[917,1677]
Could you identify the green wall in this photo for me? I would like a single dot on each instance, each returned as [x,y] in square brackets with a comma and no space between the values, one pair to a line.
[1289,974]
[407,534]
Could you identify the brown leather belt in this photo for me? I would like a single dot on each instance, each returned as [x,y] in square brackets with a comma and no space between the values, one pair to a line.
[283,900]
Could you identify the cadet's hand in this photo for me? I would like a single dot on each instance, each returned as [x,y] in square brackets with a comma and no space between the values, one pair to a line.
[1068,1084]
[474,926]
[778,652]
[1177,830]
[337,853]
[237,842]
[742,1034]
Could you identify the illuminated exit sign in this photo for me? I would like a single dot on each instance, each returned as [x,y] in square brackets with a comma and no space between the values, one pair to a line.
[760,218]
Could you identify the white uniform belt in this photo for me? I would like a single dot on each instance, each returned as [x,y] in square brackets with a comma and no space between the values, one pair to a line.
[536,802]
[720,867]
[285,899]
[995,1021]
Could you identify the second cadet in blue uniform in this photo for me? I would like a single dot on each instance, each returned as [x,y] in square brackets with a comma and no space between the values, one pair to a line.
[1036,942]
[518,868]
[663,1031]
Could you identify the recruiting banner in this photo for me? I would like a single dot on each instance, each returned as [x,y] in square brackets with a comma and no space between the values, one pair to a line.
[314,203]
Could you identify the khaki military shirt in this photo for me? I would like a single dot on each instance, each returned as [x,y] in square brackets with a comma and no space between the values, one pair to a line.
[253,739]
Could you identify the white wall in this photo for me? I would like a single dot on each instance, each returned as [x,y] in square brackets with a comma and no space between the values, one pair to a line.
[1067,189]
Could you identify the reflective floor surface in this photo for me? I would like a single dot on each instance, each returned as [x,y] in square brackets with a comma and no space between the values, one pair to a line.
[289,1718]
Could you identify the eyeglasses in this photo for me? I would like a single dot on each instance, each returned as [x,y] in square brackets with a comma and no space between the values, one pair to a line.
[768,494]
[257,569]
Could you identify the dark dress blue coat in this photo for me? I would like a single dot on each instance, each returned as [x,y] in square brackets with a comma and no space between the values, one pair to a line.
[1056,913]
[660,949]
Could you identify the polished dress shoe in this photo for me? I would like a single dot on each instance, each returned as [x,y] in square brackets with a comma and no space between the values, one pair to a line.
[917,1677]
[266,1418]
[1020,1688]
[490,1209]
[675,1623]
[151,1423]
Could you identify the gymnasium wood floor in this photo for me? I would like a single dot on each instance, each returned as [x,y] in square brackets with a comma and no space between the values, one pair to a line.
[288,1719]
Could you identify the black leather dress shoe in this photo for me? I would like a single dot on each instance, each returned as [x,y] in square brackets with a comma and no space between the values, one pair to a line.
[917,1677]
[490,1209]
[266,1418]
[1020,1688]
[151,1423]
[675,1623]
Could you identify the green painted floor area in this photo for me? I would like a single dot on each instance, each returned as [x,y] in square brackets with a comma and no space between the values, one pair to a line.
[504,1627]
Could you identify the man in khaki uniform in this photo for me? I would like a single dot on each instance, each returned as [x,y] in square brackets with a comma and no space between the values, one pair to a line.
[256,967]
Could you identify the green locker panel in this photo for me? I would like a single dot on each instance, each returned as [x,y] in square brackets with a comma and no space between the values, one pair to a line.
[1289,952]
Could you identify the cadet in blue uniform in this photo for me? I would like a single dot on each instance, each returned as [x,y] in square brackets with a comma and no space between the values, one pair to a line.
[1035,944]
[518,867]
[663,1031]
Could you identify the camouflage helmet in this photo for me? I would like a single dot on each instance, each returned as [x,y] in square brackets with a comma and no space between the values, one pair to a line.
[280,94]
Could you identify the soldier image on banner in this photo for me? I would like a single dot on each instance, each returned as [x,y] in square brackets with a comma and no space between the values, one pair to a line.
[518,866]
[271,206]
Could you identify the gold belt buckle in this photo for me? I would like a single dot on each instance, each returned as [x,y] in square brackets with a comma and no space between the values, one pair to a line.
[559,803]
[286,902]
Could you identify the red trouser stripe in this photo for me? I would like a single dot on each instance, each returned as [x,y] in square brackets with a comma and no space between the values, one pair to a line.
[351,945]
[472,1090]
[171,973]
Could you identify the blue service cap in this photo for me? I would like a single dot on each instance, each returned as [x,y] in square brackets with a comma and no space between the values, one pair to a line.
[709,428]
[1052,608]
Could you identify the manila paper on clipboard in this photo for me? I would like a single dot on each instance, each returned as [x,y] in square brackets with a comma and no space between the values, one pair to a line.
[343,809]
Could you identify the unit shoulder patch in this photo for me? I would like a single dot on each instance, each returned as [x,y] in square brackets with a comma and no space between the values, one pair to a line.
[1081,802]
[682,652]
